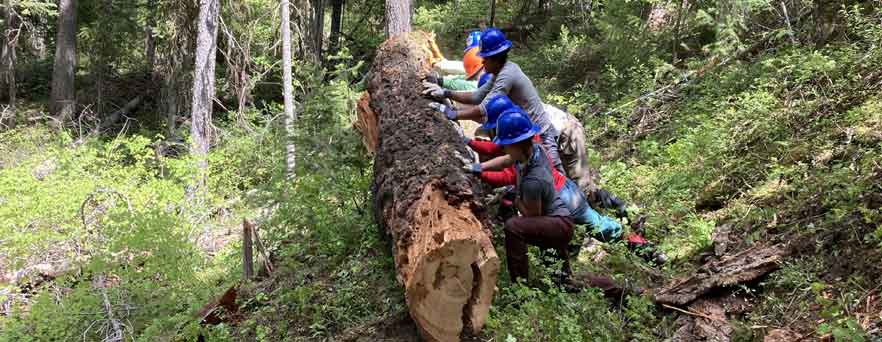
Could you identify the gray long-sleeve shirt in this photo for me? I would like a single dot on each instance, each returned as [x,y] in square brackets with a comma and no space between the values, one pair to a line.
[511,81]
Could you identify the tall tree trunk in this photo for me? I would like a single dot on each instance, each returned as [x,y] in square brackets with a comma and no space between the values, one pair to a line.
[492,13]
[12,44]
[675,45]
[62,101]
[4,47]
[150,38]
[336,25]
[170,100]
[397,17]
[288,90]
[203,84]
[318,28]
[9,50]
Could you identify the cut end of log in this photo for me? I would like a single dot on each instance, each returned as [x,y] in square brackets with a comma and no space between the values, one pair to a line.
[452,268]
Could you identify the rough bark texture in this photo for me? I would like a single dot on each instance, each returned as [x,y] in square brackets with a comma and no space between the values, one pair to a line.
[710,326]
[9,61]
[203,79]
[741,267]
[288,90]
[366,123]
[150,38]
[318,28]
[247,252]
[397,17]
[444,257]
[336,23]
[62,101]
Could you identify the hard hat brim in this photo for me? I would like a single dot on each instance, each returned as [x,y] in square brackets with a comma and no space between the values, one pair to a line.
[474,73]
[488,125]
[504,142]
[502,48]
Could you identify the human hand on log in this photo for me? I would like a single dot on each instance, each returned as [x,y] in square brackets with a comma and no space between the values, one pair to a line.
[434,90]
[470,164]
[445,109]
[435,78]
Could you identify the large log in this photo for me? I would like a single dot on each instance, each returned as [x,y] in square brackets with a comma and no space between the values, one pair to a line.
[424,200]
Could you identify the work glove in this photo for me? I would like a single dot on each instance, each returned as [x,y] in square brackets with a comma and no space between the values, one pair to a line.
[434,90]
[466,140]
[435,78]
[448,111]
[470,164]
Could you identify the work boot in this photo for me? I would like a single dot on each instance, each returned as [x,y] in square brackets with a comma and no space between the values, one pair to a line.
[645,249]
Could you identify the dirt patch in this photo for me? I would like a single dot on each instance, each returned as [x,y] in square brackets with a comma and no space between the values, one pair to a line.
[395,328]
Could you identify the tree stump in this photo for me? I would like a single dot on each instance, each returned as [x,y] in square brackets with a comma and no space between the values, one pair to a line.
[425,201]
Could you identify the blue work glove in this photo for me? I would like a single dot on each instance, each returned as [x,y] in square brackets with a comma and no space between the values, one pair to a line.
[466,140]
[448,112]
[474,168]
[470,164]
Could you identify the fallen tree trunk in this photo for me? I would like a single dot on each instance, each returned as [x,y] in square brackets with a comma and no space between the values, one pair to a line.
[424,200]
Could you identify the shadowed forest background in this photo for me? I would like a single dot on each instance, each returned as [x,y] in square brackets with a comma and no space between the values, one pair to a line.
[125,178]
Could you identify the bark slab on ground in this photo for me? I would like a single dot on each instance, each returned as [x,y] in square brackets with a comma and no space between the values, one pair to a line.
[737,268]
[424,200]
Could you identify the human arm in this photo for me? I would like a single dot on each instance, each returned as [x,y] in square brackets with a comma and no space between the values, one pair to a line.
[497,163]
[470,97]
[458,83]
[485,148]
[498,179]
[470,113]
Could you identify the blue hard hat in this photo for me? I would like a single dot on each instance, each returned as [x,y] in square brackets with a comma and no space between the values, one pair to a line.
[493,42]
[495,107]
[484,79]
[514,126]
[473,40]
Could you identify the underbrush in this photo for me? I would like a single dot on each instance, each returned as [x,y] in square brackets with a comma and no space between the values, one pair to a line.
[780,147]
[138,250]
[111,218]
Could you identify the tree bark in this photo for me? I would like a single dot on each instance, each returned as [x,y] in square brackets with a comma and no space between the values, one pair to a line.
[288,91]
[11,41]
[150,38]
[4,47]
[62,101]
[336,25]
[492,13]
[729,270]
[675,45]
[203,83]
[425,201]
[247,252]
[397,17]
[318,28]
